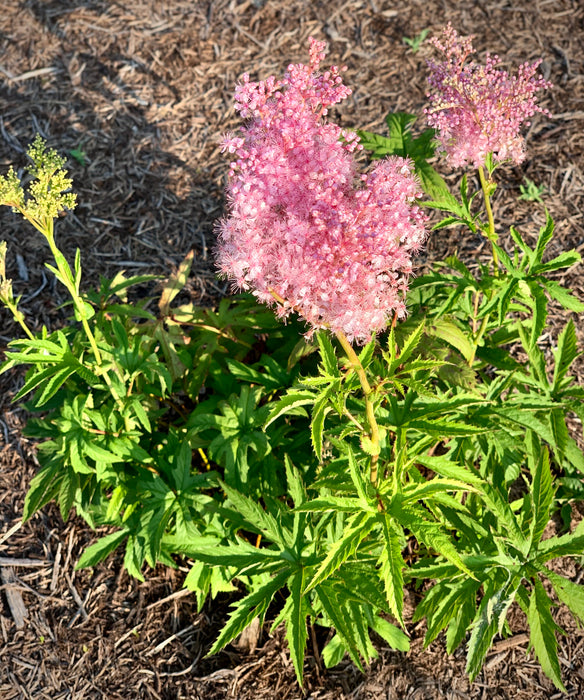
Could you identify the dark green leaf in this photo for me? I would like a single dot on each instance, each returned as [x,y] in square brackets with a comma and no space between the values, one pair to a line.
[542,634]
[359,526]
[491,617]
[391,564]
[247,609]
[296,632]
[101,549]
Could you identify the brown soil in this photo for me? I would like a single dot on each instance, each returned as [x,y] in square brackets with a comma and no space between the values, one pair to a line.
[144,89]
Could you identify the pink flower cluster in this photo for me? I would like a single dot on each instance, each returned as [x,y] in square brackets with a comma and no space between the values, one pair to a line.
[304,230]
[479,109]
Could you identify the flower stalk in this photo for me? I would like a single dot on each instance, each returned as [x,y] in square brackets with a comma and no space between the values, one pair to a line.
[369,407]
[492,234]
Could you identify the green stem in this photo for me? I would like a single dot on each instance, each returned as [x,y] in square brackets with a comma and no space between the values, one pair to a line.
[19,318]
[492,236]
[67,279]
[370,411]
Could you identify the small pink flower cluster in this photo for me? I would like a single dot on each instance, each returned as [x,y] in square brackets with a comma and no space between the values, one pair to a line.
[478,109]
[304,229]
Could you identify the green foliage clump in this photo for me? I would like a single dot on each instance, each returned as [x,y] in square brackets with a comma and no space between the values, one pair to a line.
[305,470]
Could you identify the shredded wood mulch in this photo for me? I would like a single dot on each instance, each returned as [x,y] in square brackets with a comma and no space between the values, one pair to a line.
[138,94]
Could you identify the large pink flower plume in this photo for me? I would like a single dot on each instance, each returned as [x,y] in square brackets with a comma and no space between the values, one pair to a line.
[479,109]
[305,231]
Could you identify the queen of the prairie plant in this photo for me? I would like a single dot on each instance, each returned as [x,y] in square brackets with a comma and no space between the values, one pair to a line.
[479,109]
[305,230]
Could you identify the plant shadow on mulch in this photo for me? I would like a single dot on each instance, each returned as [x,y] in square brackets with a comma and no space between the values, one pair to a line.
[140,93]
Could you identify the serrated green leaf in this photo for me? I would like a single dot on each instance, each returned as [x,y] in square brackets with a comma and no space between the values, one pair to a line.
[358,527]
[516,236]
[330,503]
[414,518]
[338,617]
[453,335]
[141,414]
[491,617]
[296,632]
[545,236]
[241,556]
[539,312]
[99,550]
[448,606]
[357,478]
[571,544]
[458,625]
[41,489]
[296,487]
[542,637]
[542,494]
[67,491]
[563,296]
[569,593]
[327,354]
[319,412]
[255,515]
[408,347]
[433,487]
[391,565]
[290,401]
[53,385]
[444,466]
[247,609]
[566,353]
[563,260]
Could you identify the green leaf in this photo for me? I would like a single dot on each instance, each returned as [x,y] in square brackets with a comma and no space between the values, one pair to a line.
[292,400]
[409,345]
[448,605]
[359,526]
[539,311]
[330,503]
[296,632]
[392,634]
[566,353]
[458,625]
[565,259]
[99,550]
[41,489]
[69,486]
[542,629]
[567,545]
[545,236]
[569,593]
[505,517]
[491,617]
[255,515]
[296,487]
[141,414]
[319,412]
[341,622]
[357,478]
[542,494]
[414,518]
[563,296]
[247,609]
[334,652]
[444,466]
[453,335]
[175,283]
[391,565]
[327,354]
